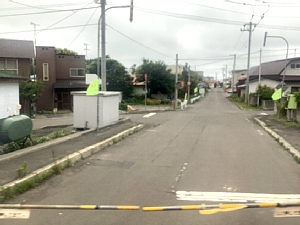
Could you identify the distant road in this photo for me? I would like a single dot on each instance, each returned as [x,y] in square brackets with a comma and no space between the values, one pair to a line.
[55,121]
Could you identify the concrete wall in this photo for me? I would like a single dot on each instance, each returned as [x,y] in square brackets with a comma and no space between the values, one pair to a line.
[9,99]
[254,85]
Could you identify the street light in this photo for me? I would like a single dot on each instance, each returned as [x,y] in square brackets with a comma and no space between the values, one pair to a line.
[103,59]
[287,53]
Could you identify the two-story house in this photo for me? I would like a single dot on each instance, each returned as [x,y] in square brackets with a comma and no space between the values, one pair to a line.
[274,72]
[61,74]
[16,59]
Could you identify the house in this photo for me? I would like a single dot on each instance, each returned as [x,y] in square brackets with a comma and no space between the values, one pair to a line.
[61,74]
[210,81]
[16,58]
[138,87]
[173,69]
[9,94]
[273,73]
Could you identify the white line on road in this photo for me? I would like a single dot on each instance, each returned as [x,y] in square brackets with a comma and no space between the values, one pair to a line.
[148,115]
[235,197]
[260,132]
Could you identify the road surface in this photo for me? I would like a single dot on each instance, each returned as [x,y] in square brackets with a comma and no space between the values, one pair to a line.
[211,147]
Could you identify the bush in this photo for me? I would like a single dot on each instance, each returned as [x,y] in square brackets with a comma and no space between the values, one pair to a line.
[264,92]
[151,101]
[297,96]
[123,106]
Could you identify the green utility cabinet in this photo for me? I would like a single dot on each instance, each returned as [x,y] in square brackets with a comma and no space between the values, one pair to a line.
[14,128]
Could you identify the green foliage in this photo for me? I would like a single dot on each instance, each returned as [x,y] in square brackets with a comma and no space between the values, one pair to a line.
[22,171]
[65,51]
[185,77]
[123,106]
[159,78]
[297,96]
[117,77]
[264,92]
[31,90]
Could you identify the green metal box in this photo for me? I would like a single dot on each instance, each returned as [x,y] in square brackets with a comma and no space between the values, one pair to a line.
[14,128]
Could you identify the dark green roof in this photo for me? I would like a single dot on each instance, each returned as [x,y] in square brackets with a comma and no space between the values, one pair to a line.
[11,76]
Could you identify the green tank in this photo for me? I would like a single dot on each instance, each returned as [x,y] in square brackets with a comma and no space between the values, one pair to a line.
[14,128]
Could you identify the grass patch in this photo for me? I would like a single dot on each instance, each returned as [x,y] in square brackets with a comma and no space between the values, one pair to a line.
[11,192]
[20,144]
[22,171]
[240,102]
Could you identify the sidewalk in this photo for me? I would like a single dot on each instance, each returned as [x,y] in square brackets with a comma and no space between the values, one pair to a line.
[44,154]
[288,136]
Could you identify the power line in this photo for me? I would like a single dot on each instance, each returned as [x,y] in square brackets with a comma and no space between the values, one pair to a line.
[43,6]
[82,28]
[53,11]
[139,42]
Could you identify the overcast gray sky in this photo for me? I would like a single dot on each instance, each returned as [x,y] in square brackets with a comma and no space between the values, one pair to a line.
[204,34]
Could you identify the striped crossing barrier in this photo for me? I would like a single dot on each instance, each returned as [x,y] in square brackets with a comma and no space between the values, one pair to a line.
[210,209]
[70,207]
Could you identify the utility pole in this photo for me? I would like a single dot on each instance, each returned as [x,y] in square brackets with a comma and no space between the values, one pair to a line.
[248,27]
[189,83]
[259,74]
[103,59]
[176,80]
[34,29]
[232,78]
[86,49]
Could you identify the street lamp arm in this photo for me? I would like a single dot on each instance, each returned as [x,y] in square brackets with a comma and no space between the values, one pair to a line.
[99,21]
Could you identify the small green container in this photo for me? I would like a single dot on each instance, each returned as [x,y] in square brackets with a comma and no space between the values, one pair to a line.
[14,128]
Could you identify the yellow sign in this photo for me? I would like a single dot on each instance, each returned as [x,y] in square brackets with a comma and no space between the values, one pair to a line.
[277,94]
[93,88]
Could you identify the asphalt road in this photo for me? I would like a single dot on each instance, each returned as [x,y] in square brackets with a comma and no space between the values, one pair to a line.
[210,147]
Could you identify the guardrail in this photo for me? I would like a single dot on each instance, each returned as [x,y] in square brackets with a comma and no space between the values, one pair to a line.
[194,99]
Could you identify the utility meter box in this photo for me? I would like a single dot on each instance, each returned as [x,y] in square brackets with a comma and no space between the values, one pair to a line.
[90,111]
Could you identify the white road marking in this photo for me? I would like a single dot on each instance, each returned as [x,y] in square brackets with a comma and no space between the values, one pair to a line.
[247,120]
[260,132]
[235,197]
[148,115]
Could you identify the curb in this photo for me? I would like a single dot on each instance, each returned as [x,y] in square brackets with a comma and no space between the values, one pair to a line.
[17,154]
[76,156]
[294,152]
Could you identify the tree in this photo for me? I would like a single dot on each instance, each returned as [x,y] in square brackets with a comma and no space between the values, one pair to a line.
[65,51]
[185,78]
[117,77]
[30,91]
[159,78]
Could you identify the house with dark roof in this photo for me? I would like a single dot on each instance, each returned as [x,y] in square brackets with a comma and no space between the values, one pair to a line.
[273,73]
[62,74]
[16,56]
[9,94]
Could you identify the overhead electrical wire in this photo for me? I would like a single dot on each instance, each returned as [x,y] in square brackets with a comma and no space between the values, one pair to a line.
[138,42]
[43,6]
[82,28]
[53,11]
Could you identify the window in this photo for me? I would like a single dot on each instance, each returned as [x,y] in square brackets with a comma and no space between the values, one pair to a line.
[9,66]
[45,72]
[295,65]
[295,89]
[77,72]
